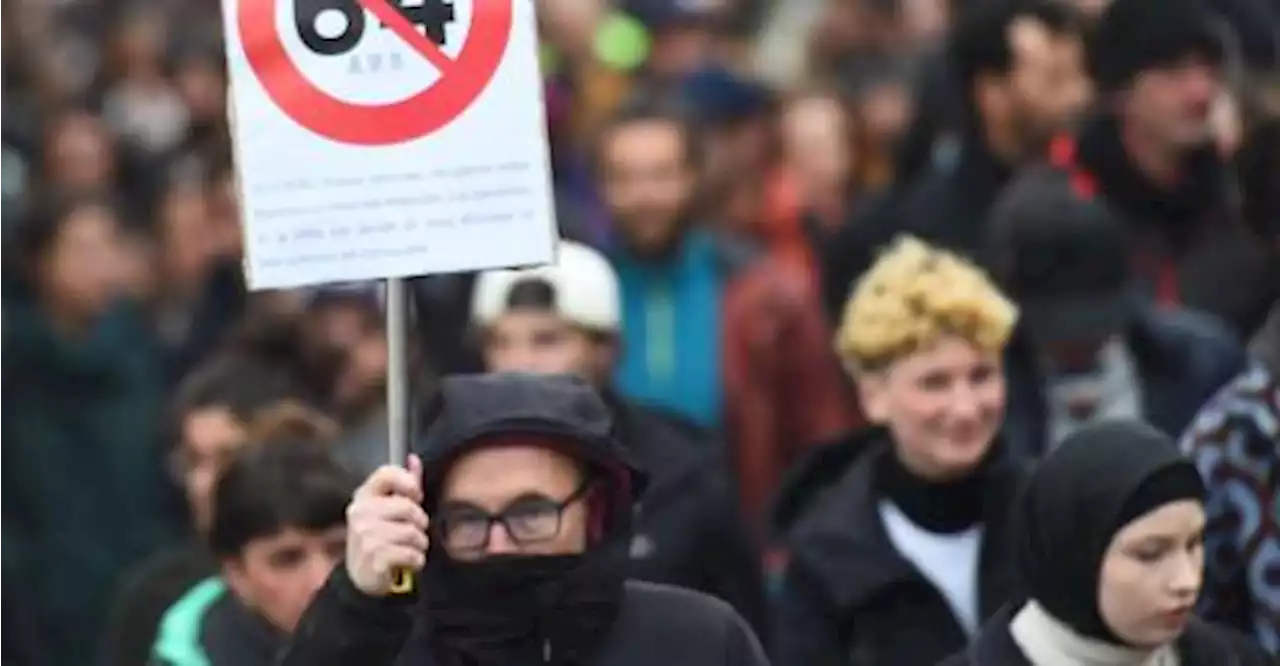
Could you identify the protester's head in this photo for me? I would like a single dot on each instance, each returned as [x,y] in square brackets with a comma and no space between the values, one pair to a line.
[78,153]
[683,33]
[572,26]
[1065,258]
[345,345]
[1111,534]
[181,220]
[216,405]
[69,251]
[279,524]
[819,134]
[1159,66]
[923,335]
[648,165]
[554,319]
[734,117]
[1023,71]
[200,78]
[523,465]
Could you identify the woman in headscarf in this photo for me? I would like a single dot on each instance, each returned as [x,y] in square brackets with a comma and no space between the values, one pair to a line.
[1111,553]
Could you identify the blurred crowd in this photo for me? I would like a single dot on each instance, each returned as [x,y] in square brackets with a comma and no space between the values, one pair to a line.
[767,206]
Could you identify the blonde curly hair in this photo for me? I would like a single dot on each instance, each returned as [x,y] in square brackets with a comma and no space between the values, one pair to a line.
[914,295]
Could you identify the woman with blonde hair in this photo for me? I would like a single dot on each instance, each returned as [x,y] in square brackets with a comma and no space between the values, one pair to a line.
[897,539]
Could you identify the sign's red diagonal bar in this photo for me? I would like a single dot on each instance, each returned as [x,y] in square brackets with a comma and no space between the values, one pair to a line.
[392,18]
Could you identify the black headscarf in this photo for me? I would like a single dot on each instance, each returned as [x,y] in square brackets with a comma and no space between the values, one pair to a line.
[1099,479]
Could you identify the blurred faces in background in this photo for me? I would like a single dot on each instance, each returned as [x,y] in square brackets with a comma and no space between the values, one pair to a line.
[1043,92]
[78,153]
[188,243]
[1172,104]
[648,179]
[571,26]
[347,343]
[817,146]
[75,262]
[141,105]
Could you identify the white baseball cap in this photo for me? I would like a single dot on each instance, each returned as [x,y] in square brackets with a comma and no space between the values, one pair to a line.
[584,289]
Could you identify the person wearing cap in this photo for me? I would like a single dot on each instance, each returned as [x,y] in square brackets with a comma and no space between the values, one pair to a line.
[1092,345]
[514,515]
[565,318]
[714,330]
[1159,67]
[1110,535]
[898,535]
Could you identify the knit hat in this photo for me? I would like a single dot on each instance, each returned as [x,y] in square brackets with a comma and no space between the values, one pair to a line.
[1135,35]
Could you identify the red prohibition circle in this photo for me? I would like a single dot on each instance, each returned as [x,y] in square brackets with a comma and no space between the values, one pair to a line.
[460,82]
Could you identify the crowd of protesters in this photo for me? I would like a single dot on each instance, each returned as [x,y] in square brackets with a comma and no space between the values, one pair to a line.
[882,332]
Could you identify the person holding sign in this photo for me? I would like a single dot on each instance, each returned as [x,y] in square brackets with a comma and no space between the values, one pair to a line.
[515,515]
[689,530]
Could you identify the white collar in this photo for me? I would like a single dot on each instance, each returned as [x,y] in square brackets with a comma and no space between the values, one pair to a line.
[1046,641]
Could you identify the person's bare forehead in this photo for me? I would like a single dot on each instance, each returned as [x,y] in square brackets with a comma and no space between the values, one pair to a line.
[504,469]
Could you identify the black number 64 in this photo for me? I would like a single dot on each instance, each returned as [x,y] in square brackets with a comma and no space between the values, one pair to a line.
[306,13]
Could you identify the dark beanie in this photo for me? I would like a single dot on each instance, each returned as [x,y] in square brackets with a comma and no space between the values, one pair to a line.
[1134,35]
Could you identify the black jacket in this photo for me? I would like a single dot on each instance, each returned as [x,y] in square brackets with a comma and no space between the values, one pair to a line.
[688,528]
[1202,644]
[210,627]
[145,595]
[1195,232]
[658,625]
[849,597]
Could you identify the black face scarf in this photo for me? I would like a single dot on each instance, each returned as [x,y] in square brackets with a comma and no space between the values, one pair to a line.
[521,609]
[1100,478]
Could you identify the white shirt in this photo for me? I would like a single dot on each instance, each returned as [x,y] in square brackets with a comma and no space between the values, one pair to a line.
[948,561]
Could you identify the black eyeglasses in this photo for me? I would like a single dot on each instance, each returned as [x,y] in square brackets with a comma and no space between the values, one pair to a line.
[527,521]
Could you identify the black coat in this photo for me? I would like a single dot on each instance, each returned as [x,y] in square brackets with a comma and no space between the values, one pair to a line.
[658,625]
[1202,644]
[1219,265]
[145,595]
[211,627]
[849,597]
[688,530]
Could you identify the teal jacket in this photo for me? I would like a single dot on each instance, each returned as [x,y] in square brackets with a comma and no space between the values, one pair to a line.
[84,491]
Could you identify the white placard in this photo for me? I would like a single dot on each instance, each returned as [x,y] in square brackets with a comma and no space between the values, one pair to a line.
[366,148]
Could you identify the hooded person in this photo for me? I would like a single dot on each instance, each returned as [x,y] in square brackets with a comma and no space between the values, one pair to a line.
[1111,554]
[523,556]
